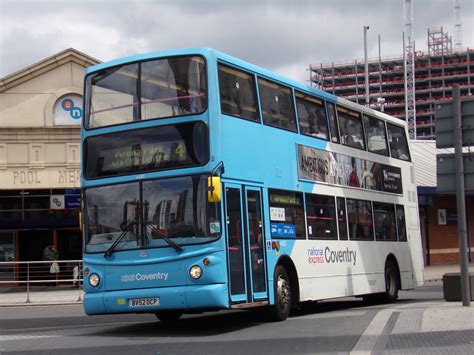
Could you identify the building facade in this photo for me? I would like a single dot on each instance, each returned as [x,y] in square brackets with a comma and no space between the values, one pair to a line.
[438,212]
[40,118]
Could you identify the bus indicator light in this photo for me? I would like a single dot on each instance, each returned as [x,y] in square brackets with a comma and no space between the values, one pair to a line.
[276,246]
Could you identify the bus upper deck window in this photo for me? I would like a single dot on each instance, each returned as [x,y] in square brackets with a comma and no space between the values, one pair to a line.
[311,116]
[333,122]
[376,137]
[277,105]
[398,142]
[152,89]
[350,125]
[238,93]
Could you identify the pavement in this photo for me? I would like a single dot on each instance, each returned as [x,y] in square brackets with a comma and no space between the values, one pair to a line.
[431,327]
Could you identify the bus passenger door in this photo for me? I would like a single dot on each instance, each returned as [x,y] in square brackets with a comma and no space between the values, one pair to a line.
[255,242]
[245,244]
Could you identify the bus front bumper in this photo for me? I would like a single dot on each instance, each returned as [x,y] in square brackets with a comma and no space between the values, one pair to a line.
[195,297]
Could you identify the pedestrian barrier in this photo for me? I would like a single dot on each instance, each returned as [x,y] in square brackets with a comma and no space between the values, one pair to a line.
[30,282]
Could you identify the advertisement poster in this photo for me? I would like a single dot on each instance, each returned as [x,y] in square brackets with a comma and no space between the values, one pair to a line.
[339,169]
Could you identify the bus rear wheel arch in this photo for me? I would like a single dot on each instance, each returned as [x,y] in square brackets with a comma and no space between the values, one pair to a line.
[392,280]
[392,283]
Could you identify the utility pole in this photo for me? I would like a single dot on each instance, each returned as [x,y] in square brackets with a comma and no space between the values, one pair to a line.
[367,98]
[460,197]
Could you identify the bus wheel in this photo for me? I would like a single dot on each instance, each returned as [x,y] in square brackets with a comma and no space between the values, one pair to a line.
[168,317]
[281,285]
[391,282]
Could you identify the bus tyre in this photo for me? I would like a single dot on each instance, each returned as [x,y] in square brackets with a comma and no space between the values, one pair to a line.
[391,282]
[282,289]
[168,317]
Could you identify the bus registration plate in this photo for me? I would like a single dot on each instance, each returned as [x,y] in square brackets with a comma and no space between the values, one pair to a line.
[144,302]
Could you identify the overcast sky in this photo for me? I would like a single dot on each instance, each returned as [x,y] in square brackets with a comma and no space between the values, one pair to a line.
[282,35]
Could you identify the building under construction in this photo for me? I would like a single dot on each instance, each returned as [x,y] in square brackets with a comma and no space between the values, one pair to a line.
[435,74]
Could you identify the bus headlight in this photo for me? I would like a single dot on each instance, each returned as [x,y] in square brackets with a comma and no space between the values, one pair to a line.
[195,272]
[94,280]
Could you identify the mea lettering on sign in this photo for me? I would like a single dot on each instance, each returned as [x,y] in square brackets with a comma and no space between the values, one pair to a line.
[68,176]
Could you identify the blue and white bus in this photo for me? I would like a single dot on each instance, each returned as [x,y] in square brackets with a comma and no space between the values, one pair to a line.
[210,183]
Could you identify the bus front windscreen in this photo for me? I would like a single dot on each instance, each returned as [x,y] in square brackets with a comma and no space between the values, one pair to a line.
[145,90]
[150,214]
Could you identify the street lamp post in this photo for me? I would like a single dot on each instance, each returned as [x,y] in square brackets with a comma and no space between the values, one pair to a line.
[367,99]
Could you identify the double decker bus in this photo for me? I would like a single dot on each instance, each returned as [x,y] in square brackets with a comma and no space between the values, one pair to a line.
[209,183]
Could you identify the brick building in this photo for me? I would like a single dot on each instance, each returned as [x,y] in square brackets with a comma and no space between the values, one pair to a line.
[438,212]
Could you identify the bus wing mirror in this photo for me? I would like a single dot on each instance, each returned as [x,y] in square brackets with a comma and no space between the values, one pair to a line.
[214,189]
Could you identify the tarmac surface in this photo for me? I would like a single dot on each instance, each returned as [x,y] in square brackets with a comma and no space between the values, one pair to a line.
[425,325]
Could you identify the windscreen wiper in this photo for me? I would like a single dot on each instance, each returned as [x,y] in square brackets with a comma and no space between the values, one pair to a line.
[126,227]
[163,236]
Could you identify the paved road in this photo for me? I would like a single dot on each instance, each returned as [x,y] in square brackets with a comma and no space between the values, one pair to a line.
[343,326]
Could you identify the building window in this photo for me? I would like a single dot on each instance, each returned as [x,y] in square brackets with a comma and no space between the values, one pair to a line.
[23,207]
[286,214]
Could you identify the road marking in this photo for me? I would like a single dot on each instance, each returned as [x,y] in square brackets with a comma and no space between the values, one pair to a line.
[333,314]
[369,338]
[50,332]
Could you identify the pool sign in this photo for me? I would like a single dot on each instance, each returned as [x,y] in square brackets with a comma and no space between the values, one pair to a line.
[67,111]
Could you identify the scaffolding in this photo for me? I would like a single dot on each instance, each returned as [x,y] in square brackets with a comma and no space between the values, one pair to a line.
[439,42]
[435,74]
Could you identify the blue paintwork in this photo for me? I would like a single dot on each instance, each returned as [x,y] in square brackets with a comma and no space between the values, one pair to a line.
[161,273]
[253,155]
[213,296]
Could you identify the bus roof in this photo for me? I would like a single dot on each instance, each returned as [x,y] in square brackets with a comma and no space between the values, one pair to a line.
[210,53]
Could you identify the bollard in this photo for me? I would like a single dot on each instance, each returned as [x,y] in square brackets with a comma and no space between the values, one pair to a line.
[28,283]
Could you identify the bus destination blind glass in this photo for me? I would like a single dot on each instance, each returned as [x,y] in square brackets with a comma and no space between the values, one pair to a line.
[147,149]
[339,169]
[141,154]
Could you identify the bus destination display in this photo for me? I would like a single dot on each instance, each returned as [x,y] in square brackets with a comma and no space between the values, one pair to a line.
[148,149]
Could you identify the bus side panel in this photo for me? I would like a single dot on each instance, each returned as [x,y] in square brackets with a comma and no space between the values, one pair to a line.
[339,269]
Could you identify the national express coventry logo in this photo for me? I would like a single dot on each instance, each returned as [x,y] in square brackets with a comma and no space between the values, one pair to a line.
[144,277]
[75,112]
[326,255]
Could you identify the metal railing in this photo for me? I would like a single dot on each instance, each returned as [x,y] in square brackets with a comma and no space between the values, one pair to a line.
[40,281]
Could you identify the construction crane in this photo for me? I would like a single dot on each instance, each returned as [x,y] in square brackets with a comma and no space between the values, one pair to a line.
[457,26]
[409,66]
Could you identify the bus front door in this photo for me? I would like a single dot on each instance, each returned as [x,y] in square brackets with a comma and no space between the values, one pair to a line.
[245,244]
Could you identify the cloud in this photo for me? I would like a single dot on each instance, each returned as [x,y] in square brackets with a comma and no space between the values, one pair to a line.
[285,36]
